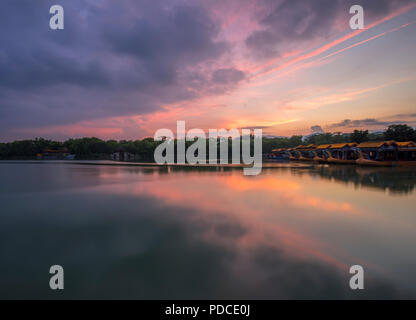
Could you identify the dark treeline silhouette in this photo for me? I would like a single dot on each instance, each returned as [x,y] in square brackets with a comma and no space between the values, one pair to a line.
[94,148]
[83,148]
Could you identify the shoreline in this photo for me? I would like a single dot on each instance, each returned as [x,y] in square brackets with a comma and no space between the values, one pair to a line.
[153,164]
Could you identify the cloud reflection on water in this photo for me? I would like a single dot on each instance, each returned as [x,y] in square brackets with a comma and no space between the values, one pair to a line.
[140,233]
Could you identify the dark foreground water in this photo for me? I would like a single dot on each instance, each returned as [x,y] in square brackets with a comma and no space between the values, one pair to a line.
[131,232]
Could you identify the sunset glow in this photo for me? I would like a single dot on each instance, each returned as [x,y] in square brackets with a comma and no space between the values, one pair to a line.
[237,64]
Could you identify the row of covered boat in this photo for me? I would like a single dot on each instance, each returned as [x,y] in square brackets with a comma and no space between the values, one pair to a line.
[373,153]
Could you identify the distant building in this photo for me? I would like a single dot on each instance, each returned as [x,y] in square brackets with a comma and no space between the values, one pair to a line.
[122,156]
[55,154]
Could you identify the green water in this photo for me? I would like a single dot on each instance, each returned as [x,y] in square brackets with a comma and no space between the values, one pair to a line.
[143,233]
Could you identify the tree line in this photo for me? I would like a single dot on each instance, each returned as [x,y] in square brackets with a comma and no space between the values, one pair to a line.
[95,148]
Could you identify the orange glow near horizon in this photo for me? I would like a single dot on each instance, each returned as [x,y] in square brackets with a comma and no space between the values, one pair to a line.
[277,209]
[310,85]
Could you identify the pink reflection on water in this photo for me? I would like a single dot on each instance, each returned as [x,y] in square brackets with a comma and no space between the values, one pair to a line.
[264,205]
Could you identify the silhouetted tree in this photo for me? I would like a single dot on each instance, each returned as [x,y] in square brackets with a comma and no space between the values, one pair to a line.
[95,148]
[400,132]
[359,136]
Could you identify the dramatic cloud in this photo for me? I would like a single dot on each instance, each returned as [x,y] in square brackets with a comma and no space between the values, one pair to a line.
[121,63]
[371,122]
[112,59]
[358,123]
[286,24]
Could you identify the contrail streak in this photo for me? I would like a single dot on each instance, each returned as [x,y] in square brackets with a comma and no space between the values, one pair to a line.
[335,42]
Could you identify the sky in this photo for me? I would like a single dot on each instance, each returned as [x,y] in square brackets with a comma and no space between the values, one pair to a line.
[124,69]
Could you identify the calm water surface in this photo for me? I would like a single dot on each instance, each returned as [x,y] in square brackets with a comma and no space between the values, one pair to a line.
[133,232]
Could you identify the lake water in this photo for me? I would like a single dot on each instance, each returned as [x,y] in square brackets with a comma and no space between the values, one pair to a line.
[154,233]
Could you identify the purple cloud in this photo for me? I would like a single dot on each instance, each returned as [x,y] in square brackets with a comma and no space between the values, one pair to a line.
[286,24]
[112,59]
